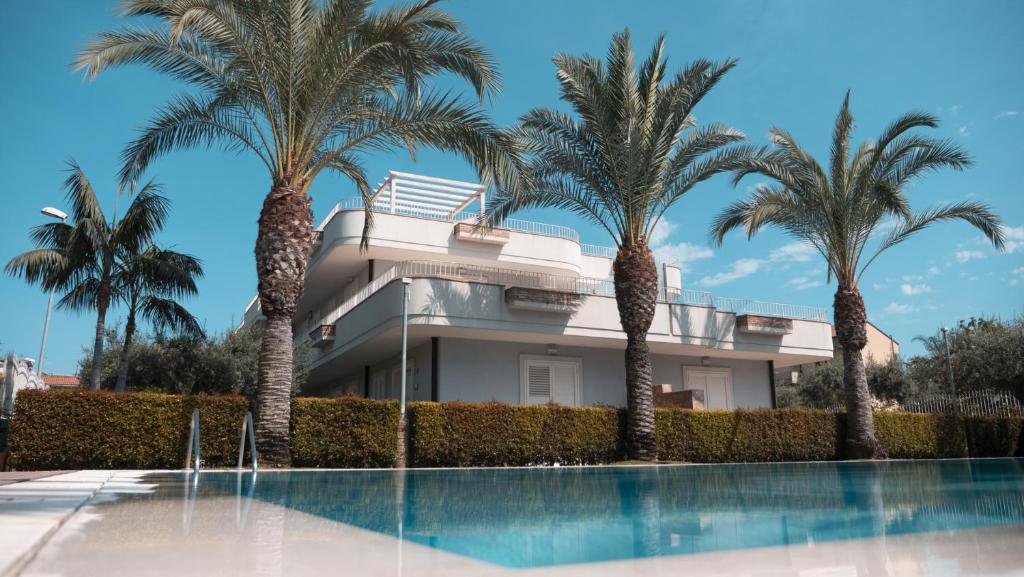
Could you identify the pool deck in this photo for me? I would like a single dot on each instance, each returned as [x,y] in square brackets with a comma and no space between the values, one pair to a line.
[66,525]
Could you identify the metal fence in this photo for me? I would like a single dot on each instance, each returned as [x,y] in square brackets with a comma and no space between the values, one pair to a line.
[974,404]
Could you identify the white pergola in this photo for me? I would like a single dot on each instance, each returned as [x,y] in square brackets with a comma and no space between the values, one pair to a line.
[437,198]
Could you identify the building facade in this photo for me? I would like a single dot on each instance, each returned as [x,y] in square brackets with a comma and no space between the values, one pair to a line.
[523,313]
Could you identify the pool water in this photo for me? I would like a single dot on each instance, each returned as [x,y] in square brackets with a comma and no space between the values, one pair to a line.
[522,518]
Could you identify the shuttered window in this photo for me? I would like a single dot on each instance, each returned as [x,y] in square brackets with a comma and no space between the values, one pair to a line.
[550,380]
[539,380]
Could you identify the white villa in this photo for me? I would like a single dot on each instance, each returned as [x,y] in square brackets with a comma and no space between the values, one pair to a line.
[519,314]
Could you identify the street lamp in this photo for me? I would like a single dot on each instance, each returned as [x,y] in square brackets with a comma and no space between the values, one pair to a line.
[63,217]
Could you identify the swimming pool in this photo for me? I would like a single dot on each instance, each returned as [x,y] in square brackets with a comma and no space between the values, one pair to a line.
[560,517]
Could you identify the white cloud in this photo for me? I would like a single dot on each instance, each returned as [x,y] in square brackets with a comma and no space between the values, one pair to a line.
[915,289]
[963,256]
[912,277]
[1014,238]
[662,231]
[964,130]
[682,252]
[793,252]
[803,283]
[953,109]
[743,267]
[933,270]
[1019,270]
[1006,114]
[898,309]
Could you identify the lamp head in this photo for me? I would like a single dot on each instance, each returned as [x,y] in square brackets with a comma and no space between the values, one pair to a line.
[54,213]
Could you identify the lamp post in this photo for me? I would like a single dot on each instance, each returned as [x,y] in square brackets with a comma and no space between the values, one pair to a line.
[63,217]
[406,281]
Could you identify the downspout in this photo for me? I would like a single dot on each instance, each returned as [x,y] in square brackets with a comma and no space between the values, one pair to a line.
[771,383]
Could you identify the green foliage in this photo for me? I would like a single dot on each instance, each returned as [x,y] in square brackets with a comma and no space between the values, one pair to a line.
[103,430]
[344,432]
[222,364]
[821,385]
[760,435]
[495,434]
[994,436]
[985,354]
[921,435]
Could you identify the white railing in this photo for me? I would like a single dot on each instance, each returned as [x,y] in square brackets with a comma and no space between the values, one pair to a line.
[598,250]
[515,225]
[745,307]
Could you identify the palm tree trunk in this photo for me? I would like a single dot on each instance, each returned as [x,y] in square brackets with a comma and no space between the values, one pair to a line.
[97,343]
[850,319]
[282,247]
[636,294]
[122,363]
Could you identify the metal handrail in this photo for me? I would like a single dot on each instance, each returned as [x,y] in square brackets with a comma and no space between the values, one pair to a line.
[248,431]
[193,442]
[598,250]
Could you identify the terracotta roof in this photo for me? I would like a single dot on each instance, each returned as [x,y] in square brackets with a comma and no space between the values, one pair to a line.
[60,380]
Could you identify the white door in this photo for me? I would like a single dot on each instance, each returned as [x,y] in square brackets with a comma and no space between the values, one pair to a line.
[547,380]
[379,385]
[715,382]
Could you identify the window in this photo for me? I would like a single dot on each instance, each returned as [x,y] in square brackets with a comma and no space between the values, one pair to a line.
[550,380]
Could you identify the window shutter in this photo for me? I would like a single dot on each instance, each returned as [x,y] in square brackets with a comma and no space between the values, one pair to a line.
[539,383]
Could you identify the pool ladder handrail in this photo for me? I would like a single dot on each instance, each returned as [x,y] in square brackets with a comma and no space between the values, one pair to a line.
[193,443]
[248,431]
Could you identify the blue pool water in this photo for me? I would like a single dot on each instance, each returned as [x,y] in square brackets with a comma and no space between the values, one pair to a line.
[540,517]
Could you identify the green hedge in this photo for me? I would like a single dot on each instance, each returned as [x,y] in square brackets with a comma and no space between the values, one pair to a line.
[495,434]
[104,430]
[345,432]
[86,429]
[742,436]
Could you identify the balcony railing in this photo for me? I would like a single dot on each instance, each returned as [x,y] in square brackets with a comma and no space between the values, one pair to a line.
[515,225]
[563,283]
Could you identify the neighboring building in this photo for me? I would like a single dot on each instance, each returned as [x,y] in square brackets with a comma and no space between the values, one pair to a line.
[880,349]
[53,381]
[16,374]
[519,314]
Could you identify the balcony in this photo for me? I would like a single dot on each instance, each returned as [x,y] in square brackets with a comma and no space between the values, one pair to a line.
[538,283]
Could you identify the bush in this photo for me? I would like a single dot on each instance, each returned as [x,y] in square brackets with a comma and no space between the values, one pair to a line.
[921,435]
[494,434]
[344,432]
[993,436]
[760,435]
[102,430]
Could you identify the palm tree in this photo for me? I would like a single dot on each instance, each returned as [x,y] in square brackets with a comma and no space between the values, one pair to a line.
[149,282]
[83,258]
[305,87]
[630,151]
[843,213]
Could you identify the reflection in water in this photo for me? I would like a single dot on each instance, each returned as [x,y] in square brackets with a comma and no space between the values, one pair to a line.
[538,517]
[551,517]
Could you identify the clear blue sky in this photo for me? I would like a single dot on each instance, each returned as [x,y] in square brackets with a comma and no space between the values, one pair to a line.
[961,60]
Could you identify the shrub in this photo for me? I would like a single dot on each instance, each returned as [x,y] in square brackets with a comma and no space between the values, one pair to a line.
[344,432]
[759,435]
[920,435]
[494,434]
[993,436]
[102,430]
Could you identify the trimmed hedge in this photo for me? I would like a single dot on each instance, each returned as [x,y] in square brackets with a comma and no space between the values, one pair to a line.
[746,436]
[344,432]
[87,429]
[459,434]
[105,430]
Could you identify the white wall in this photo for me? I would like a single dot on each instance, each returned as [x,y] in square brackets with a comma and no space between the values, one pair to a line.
[480,371]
